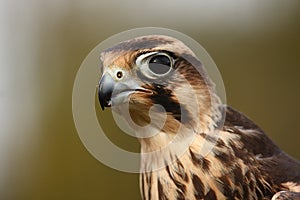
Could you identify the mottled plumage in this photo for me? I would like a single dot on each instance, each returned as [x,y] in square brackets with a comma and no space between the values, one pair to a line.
[242,162]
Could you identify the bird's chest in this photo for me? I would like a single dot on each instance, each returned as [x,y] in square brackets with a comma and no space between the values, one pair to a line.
[181,180]
[208,179]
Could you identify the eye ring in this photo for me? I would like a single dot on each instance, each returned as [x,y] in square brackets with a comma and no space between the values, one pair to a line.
[160,64]
[142,62]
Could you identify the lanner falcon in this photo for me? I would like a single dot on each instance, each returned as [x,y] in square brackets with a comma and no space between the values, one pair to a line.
[242,162]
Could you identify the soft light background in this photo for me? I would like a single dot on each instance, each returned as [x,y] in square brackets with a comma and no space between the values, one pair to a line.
[256,45]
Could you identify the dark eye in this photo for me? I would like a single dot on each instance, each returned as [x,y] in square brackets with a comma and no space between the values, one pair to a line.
[160,64]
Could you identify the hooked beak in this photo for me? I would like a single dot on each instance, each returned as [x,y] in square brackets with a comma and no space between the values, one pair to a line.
[105,90]
[112,92]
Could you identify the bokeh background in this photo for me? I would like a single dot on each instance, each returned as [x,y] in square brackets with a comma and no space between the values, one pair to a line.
[255,44]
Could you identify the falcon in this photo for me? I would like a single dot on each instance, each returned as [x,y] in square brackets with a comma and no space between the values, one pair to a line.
[228,157]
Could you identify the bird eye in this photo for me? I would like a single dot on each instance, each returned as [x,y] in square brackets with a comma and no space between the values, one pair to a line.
[119,74]
[160,64]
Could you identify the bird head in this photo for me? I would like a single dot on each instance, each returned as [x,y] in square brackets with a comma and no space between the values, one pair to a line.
[159,70]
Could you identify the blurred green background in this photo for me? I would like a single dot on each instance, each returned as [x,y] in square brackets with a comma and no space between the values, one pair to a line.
[255,44]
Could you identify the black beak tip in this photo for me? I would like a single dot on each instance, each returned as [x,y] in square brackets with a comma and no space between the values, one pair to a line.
[102,100]
[105,89]
[105,103]
[102,106]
